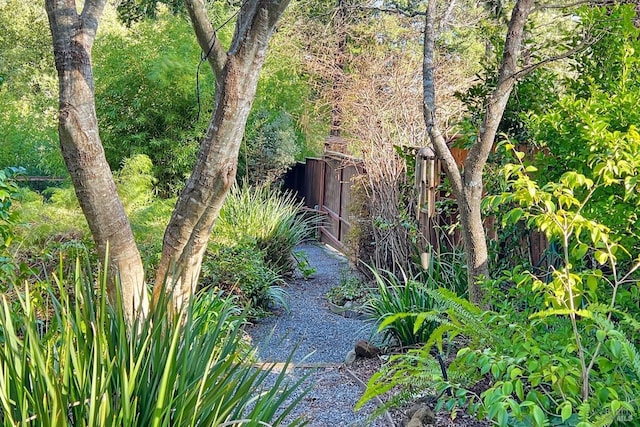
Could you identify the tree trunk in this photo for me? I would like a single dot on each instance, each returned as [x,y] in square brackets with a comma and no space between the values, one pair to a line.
[199,204]
[73,36]
[339,25]
[468,186]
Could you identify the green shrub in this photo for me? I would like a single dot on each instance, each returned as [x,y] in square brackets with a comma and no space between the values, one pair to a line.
[241,271]
[55,225]
[8,220]
[561,349]
[270,147]
[267,218]
[396,310]
[350,288]
[145,101]
[87,366]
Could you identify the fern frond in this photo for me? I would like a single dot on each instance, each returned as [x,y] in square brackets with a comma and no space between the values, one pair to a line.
[629,320]
[632,357]
[467,317]
[437,336]
[447,296]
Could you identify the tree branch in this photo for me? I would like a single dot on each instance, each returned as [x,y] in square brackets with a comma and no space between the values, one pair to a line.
[244,24]
[479,153]
[428,85]
[91,13]
[206,35]
[255,20]
[397,10]
[579,48]
[581,3]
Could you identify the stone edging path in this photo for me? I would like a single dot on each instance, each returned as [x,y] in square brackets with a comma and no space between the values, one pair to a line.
[321,340]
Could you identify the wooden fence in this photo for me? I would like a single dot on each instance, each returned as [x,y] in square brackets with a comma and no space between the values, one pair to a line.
[325,185]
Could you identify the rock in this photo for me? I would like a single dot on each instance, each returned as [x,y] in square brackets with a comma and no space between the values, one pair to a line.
[412,410]
[350,358]
[421,415]
[364,349]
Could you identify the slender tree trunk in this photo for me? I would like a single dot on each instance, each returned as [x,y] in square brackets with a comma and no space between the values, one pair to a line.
[199,204]
[339,24]
[73,36]
[468,186]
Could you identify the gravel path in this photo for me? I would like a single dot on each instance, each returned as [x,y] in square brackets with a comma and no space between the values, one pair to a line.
[319,338]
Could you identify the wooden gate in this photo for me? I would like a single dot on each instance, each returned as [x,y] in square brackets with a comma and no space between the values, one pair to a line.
[327,189]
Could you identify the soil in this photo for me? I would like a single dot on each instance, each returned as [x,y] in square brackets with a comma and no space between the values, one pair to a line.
[316,341]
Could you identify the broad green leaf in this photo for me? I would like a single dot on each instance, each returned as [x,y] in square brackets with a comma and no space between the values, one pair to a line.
[601,257]
[538,416]
[519,388]
[567,410]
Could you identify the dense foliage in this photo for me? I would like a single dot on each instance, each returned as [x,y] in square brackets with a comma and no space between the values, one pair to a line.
[260,226]
[9,191]
[593,129]
[86,365]
[28,91]
[146,98]
[556,346]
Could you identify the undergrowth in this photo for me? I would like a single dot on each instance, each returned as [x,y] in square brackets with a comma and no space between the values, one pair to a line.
[252,246]
[86,366]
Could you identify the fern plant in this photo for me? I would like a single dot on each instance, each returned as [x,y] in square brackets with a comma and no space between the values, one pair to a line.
[422,371]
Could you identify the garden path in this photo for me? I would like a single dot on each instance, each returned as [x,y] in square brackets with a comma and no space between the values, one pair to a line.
[320,341]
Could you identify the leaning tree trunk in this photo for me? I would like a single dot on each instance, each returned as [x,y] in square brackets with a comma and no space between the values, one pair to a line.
[73,36]
[468,186]
[199,204]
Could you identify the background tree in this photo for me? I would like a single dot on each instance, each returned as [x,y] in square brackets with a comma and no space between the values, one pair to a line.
[596,119]
[146,94]
[468,186]
[28,91]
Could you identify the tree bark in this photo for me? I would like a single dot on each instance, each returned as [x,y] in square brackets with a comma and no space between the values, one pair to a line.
[467,186]
[199,204]
[73,36]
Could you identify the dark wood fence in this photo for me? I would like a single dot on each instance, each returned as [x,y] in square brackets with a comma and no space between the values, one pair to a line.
[325,185]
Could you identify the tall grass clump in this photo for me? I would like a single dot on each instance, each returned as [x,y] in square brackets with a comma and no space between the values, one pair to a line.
[446,269]
[403,307]
[398,309]
[270,219]
[87,366]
